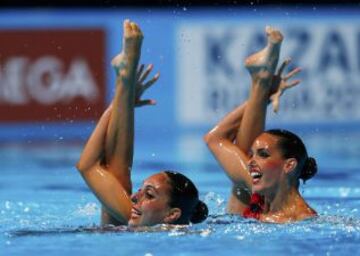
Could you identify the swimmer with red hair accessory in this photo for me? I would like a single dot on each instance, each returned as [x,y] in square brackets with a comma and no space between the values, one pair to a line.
[264,166]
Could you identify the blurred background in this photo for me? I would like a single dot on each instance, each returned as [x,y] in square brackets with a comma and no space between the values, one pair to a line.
[55,77]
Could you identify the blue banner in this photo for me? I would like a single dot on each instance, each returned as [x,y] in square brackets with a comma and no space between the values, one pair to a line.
[200,54]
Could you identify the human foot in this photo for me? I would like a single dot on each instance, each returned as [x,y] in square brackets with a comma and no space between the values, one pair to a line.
[263,63]
[126,62]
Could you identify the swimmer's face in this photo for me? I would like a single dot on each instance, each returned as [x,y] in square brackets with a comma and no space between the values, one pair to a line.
[266,164]
[151,202]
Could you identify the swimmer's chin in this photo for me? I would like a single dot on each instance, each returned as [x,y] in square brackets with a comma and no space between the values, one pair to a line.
[258,190]
[133,224]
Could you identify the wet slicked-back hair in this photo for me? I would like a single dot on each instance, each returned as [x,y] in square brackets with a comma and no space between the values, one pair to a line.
[292,146]
[185,196]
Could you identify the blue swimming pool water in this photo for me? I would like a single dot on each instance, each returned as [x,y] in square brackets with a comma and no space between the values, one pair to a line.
[46,209]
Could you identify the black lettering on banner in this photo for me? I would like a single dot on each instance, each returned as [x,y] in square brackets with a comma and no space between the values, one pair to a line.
[225,87]
[334,53]
[218,99]
[302,44]
[222,97]
[258,41]
[217,52]
[218,66]
[213,98]
[343,97]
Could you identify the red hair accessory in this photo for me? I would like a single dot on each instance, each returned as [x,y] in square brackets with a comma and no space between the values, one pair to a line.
[255,207]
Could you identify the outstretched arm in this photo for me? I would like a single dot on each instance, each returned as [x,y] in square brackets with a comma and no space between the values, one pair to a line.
[220,141]
[94,149]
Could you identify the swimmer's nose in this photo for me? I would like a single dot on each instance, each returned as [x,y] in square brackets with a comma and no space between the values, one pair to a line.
[135,197]
[251,162]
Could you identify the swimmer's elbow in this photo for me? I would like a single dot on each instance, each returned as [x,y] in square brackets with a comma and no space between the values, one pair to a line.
[81,166]
[208,139]
[211,140]
[85,163]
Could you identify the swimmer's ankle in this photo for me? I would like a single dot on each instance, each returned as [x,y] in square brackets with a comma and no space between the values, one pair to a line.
[267,58]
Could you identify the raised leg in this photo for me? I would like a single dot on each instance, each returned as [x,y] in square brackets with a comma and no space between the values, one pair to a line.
[261,66]
[120,133]
[265,61]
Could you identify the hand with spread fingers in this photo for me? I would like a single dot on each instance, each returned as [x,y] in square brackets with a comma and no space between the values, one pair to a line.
[280,84]
[142,85]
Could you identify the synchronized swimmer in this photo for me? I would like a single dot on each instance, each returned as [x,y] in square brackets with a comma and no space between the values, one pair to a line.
[105,164]
[264,166]
[265,181]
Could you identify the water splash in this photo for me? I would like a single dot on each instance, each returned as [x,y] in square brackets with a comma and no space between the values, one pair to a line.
[215,203]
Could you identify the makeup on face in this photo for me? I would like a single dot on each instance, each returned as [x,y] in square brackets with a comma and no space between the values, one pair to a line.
[265,162]
[150,203]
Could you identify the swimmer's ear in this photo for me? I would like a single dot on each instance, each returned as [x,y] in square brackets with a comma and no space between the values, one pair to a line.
[173,215]
[290,165]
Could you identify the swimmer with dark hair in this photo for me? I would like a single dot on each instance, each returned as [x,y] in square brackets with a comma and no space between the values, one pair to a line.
[105,164]
[264,166]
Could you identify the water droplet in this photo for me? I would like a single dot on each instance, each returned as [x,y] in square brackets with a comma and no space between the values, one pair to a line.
[205,233]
